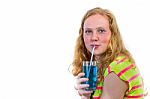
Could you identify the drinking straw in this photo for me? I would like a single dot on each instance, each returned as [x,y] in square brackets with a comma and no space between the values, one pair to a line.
[88,73]
[92,55]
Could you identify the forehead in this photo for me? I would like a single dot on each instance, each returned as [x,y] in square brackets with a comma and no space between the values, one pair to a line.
[95,21]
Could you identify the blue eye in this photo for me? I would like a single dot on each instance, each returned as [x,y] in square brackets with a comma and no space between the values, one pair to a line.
[88,31]
[101,30]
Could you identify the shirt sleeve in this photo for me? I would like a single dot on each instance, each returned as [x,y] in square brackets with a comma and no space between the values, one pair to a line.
[125,70]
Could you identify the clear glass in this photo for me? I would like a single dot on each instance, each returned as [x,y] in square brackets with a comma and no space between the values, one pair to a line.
[90,71]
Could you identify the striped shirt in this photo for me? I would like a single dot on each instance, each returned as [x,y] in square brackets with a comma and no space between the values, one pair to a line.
[128,72]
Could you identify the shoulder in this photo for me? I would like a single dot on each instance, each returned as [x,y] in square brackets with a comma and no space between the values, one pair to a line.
[114,87]
[125,70]
[120,65]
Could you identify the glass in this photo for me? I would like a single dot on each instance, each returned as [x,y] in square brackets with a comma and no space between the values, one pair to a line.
[90,71]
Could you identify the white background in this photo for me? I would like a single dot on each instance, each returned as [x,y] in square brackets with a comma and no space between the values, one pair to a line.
[37,39]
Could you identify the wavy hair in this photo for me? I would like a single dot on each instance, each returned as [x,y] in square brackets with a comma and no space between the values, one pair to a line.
[114,48]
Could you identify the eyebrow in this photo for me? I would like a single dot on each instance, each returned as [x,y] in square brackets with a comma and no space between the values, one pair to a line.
[95,28]
[87,28]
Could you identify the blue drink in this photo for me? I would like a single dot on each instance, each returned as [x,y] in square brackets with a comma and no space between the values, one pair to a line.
[90,73]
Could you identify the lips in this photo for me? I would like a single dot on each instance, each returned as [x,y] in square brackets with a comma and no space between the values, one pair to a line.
[96,45]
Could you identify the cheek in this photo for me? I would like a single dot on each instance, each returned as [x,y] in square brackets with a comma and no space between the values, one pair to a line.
[86,40]
[105,40]
[87,43]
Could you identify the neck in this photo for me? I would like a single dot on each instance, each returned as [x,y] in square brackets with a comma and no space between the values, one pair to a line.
[98,58]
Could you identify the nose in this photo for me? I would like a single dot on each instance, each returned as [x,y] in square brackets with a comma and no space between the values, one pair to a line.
[94,36]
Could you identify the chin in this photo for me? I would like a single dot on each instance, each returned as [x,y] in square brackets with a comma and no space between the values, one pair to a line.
[98,53]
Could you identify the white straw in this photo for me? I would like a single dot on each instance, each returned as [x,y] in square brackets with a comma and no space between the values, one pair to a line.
[92,55]
[88,73]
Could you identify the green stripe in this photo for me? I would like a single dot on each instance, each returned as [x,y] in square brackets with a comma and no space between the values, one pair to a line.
[137,91]
[116,68]
[98,92]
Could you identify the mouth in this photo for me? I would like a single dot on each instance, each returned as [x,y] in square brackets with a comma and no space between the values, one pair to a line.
[96,45]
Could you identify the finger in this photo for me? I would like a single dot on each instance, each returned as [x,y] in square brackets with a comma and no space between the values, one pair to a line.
[80,80]
[83,92]
[82,86]
[80,75]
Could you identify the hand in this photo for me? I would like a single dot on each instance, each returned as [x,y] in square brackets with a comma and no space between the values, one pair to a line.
[81,87]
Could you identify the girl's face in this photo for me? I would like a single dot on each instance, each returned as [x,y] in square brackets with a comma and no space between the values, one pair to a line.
[96,33]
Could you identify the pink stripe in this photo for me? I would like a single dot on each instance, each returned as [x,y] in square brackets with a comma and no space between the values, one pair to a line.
[124,70]
[133,77]
[138,96]
[109,69]
[122,60]
[99,87]
[96,97]
[135,87]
